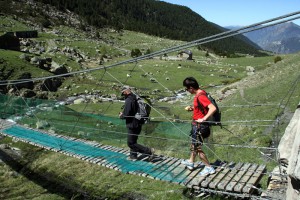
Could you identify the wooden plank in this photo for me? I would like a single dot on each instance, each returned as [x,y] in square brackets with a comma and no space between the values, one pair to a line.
[99,160]
[254,179]
[111,164]
[142,165]
[237,177]
[144,158]
[213,184]
[105,162]
[169,167]
[156,165]
[159,168]
[102,159]
[210,177]
[5,124]
[188,180]
[166,174]
[92,143]
[144,172]
[90,159]
[93,160]
[114,149]
[124,152]
[197,180]
[106,147]
[139,167]
[245,178]
[229,176]
[180,174]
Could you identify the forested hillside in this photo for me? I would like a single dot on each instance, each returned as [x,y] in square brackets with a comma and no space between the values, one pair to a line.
[155,18]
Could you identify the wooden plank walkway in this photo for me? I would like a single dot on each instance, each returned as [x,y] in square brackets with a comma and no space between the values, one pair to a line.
[235,178]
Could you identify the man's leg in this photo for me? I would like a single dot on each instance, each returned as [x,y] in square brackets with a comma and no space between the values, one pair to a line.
[193,148]
[208,169]
[140,148]
[195,143]
[131,142]
[203,157]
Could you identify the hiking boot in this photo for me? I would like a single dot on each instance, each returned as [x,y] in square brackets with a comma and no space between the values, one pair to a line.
[188,164]
[207,170]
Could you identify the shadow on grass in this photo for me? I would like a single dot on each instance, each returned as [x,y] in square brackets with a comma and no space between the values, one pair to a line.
[48,181]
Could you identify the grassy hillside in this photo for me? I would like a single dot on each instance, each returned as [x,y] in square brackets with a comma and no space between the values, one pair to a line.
[156,18]
[250,104]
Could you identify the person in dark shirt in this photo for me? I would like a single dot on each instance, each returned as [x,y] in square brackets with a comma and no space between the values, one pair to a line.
[133,125]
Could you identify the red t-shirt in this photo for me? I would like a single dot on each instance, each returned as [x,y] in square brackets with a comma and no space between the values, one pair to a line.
[204,101]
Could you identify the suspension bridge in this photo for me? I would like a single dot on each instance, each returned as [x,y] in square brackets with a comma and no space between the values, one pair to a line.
[235,178]
[238,179]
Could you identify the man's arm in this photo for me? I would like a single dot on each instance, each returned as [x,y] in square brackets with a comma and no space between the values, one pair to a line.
[127,110]
[211,110]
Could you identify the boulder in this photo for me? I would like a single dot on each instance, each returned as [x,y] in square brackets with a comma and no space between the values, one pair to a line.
[250,69]
[34,60]
[27,93]
[42,124]
[58,69]
[51,84]
[79,101]
[25,57]
[25,84]
[42,94]
[289,151]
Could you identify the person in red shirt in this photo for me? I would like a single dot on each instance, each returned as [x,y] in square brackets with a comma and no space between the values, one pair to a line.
[202,109]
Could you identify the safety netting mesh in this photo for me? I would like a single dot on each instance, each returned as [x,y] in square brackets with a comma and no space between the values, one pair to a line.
[168,138]
[53,117]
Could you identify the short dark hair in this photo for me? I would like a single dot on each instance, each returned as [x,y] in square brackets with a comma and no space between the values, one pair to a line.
[190,82]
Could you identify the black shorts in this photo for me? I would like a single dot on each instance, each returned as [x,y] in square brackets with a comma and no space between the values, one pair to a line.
[199,132]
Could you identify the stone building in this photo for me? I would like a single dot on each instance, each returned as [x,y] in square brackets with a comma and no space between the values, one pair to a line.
[9,42]
[26,34]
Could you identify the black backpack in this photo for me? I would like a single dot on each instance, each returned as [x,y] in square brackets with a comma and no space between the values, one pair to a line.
[215,119]
[144,110]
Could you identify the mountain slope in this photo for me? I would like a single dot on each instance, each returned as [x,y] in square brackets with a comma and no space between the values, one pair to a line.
[241,37]
[281,38]
[155,18]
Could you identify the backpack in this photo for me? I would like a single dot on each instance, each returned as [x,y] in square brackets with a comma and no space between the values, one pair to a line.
[215,119]
[144,110]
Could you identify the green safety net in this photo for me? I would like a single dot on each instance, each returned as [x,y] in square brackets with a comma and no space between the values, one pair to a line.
[12,106]
[53,117]
[82,149]
[168,138]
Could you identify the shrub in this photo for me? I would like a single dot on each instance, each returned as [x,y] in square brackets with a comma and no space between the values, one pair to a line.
[135,53]
[45,23]
[277,59]
[148,51]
